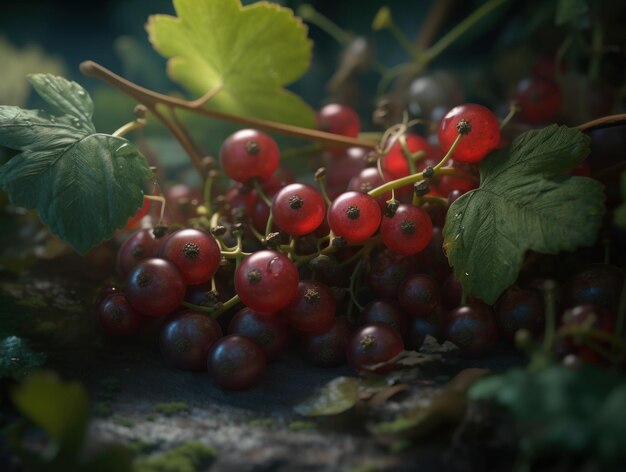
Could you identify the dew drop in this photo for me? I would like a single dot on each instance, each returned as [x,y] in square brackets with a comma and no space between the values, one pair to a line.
[81,93]
[275,266]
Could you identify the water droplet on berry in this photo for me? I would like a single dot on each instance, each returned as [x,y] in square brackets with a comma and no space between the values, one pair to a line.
[275,266]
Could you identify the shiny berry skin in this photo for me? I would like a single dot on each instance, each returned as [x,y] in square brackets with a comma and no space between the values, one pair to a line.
[338,119]
[395,164]
[388,312]
[236,362]
[298,209]
[408,231]
[117,317]
[517,309]
[419,294]
[268,330]
[313,309]
[366,180]
[327,349]
[373,344]
[139,246]
[266,281]
[354,216]
[186,339]
[472,329]
[195,254]
[539,99]
[483,138]
[249,154]
[387,270]
[155,287]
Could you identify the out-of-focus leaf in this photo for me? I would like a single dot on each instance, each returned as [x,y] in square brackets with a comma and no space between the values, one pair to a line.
[60,408]
[187,457]
[337,396]
[570,10]
[560,409]
[17,63]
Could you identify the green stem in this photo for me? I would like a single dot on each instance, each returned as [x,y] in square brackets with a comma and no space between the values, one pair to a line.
[404,41]
[261,193]
[310,14]
[458,31]
[411,179]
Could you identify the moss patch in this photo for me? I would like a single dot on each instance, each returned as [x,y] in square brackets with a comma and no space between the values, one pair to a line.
[187,457]
[171,408]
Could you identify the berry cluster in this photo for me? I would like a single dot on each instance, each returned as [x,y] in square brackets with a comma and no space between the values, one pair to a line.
[353,270]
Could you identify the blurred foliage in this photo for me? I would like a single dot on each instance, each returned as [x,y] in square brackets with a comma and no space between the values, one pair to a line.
[17,63]
[563,410]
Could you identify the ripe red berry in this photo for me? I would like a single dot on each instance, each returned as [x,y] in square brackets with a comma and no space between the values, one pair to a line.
[313,309]
[195,254]
[539,99]
[266,281]
[117,317]
[374,344]
[483,137]
[354,216]
[249,154]
[419,294]
[155,287]
[298,209]
[236,362]
[395,164]
[186,339]
[408,231]
[268,330]
[139,246]
[339,119]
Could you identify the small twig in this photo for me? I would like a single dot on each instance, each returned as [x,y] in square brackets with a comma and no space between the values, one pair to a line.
[603,122]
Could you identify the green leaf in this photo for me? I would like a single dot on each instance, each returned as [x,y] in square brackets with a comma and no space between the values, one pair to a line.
[570,10]
[59,408]
[17,360]
[335,397]
[563,409]
[524,202]
[84,185]
[248,53]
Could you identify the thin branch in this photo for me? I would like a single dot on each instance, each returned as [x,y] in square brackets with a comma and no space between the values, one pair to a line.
[151,99]
[603,122]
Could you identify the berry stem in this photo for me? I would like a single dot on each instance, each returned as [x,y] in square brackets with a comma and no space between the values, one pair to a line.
[459,30]
[151,99]
[161,200]
[129,127]
[261,193]
[411,179]
[310,14]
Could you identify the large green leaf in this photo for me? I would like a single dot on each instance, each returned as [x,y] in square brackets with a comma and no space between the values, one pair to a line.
[85,185]
[250,52]
[563,409]
[524,202]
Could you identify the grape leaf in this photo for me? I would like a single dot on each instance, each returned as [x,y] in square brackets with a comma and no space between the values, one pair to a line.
[85,185]
[249,53]
[524,202]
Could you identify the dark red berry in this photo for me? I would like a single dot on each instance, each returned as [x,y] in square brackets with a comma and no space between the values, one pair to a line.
[236,362]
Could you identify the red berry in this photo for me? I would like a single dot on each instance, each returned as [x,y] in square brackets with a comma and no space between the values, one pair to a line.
[483,137]
[374,344]
[268,330]
[419,294]
[387,312]
[249,154]
[266,281]
[339,119]
[539,99]
[155,287]
[186,339]
[472,329]
[408,231]
[139,246]
[313,309]
[117,317]
[195,254]
[236,362]
[395,163]
[327,349]
[354,216]
[298,209]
